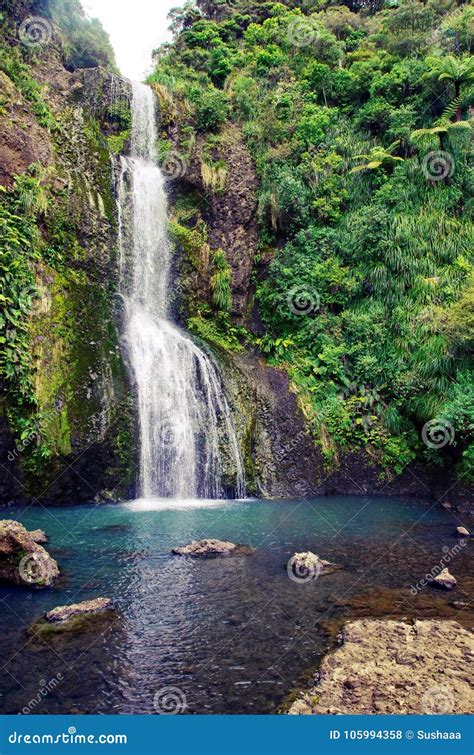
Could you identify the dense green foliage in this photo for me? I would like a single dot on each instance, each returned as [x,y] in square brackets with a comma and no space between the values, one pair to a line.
[357,117]
[83,42]
[21,249]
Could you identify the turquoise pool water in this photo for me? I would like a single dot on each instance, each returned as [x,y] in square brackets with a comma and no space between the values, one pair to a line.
[232,635]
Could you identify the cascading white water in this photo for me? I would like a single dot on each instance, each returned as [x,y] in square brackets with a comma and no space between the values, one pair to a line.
[185,418]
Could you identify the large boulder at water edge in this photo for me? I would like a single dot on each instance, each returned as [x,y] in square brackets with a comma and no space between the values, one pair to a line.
[306,566]
[212,549]
[23,561]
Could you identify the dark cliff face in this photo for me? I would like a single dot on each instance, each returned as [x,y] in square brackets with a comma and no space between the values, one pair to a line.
[228,212]
[282,460]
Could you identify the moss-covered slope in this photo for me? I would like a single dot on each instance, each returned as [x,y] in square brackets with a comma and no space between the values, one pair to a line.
[66,412]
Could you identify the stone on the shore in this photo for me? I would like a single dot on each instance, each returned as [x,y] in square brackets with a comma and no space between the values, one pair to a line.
[23,561]
[65,614]
[39,536]
[212,548]
[392,667]
[307,565]
[445,580]
[463,532]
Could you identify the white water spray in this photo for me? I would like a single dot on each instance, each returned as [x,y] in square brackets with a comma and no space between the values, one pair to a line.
[185,420]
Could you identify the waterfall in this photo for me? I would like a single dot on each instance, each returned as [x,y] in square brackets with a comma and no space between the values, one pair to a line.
[185,420]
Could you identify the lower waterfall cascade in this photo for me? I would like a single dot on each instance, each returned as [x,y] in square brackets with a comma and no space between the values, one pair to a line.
[184,417]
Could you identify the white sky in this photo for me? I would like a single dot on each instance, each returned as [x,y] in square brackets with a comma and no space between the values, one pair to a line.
[136,27]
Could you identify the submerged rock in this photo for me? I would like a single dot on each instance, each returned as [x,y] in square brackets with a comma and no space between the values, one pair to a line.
[64,614]
[463,532]
[212,549]
[23,561]
[445,580]
[391,667]
[306,566]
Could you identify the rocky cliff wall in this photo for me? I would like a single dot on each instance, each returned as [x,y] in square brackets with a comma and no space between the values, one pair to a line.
[67,421]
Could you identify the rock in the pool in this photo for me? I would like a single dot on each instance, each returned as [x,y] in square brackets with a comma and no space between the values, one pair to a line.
[463,532]
[39,536]
[212,549]
[307,566]
[65,614]
[444,580]
[23,561]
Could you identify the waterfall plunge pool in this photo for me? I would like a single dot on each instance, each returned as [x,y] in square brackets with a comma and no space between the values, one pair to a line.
[232,635]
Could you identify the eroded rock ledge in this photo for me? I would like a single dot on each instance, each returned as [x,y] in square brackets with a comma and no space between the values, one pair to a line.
[390,667]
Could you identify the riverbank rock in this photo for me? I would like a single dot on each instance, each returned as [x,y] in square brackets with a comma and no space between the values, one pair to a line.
[306,566]
[23,561]
[391,667]
[444,580]
[463,532]
[212,549]
[63,614]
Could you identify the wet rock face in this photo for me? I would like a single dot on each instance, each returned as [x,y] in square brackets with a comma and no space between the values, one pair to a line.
[23,561]
[22,140]
[230,215]
[64,614]
[99,89]
[390,667]
[281,460]
[212,549]
[234,226]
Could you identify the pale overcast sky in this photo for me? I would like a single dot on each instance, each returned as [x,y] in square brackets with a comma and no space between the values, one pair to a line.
[136,27]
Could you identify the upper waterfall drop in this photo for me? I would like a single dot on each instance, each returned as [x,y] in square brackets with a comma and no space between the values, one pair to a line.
[185,420]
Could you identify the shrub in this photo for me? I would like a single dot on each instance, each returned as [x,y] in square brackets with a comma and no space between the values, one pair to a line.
[211,109]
